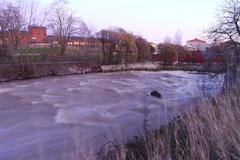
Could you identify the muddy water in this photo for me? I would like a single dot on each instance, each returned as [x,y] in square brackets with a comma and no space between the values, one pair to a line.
[57,116]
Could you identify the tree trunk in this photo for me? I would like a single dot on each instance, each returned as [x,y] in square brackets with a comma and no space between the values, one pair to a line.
[62,49]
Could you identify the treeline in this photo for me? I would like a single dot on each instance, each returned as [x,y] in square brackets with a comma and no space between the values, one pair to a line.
[60,20]
[170,53]
[218,52]
[120,46]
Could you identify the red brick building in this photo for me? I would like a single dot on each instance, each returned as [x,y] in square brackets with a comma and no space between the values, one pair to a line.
[37,34]
[24,38]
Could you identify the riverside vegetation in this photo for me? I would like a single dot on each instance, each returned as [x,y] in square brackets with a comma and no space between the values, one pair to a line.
[210,130]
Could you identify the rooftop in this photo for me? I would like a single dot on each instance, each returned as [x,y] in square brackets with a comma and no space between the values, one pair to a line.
[36,27]
[196,40]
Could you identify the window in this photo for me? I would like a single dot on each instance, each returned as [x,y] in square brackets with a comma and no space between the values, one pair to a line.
[76,43]
[33,39]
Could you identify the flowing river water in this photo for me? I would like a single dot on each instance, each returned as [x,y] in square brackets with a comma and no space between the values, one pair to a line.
[56,116]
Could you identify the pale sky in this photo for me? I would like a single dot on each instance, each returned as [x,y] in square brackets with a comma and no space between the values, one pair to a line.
[152,19]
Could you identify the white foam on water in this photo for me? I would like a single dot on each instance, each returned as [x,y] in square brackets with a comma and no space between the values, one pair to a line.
[4,90]
[85,116]
[93,104]
[121,90]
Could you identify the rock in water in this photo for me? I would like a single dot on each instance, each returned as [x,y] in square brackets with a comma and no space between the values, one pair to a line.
[156,94]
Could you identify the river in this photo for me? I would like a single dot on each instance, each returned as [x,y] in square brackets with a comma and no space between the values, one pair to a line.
[59,116]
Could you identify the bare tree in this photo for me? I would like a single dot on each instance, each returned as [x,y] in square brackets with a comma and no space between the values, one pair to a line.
[11,23]
[32,11]
[83,30]
[63,23]
[3,25]
[227,28]
[178,37]
[178,41]
[167,40]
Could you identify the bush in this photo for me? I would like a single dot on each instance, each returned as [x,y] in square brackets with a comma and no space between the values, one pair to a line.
[26,71]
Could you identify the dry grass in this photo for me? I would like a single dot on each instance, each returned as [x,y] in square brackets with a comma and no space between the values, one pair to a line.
[211,130]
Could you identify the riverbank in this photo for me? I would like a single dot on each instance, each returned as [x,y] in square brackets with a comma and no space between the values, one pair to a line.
[37,70]
[209,130]
[156,66]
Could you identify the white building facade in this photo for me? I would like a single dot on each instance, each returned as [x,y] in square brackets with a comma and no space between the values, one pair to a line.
[154,46]
[196,45]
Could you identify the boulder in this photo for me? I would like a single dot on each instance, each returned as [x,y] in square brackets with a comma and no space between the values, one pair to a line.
[156,94]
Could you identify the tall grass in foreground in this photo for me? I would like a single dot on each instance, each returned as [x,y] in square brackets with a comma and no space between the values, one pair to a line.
[210,130]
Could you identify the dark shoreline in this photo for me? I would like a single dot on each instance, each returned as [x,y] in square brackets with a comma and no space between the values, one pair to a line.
[34,71]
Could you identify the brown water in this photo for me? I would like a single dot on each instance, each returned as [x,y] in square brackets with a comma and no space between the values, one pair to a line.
[56,116]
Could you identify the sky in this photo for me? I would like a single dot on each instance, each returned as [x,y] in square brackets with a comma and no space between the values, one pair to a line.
[152,19]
